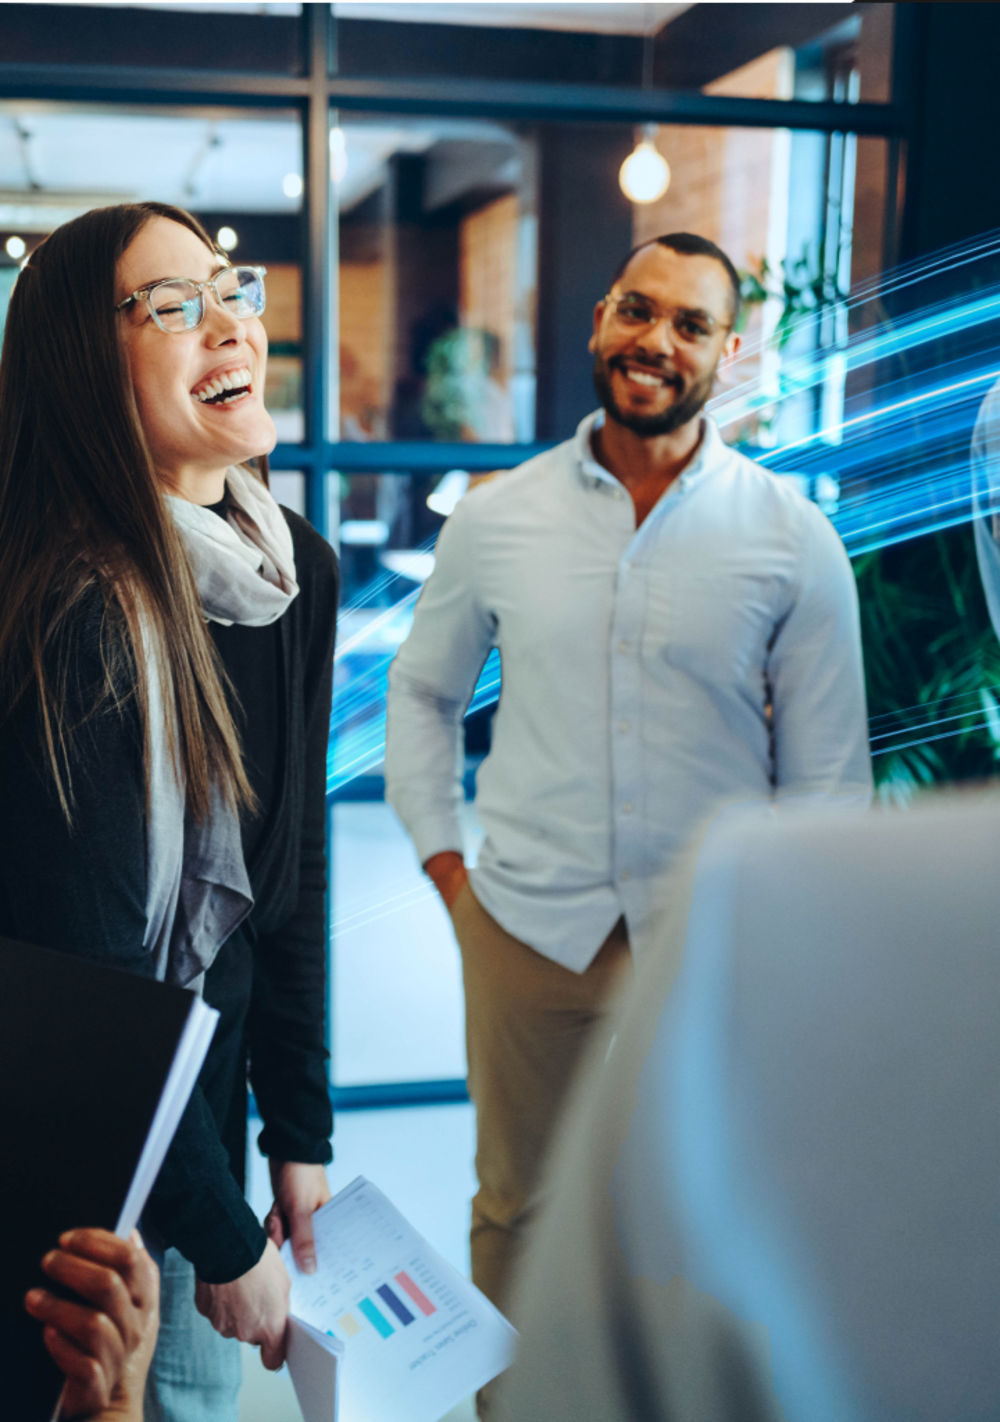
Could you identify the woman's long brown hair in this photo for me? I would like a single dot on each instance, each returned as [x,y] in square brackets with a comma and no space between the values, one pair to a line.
[81,508]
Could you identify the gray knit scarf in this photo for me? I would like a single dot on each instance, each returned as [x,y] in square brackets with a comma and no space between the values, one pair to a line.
[197,891]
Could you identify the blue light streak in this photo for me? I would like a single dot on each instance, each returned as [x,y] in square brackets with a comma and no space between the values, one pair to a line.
[899,456]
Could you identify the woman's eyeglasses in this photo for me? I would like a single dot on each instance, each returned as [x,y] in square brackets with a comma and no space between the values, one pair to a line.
[634,311]
[179,305]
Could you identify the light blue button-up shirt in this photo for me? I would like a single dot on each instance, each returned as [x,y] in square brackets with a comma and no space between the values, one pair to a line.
[650,677]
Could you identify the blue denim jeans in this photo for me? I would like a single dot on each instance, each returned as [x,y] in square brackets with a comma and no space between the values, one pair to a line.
[196,1373]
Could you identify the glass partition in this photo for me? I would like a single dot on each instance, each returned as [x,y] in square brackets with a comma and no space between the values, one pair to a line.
[438,255]
[803,217]
[289,488]
[457,325]
[397,1008]
[240,173]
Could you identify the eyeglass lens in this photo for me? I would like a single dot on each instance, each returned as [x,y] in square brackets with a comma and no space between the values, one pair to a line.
[180,306]
[640,311]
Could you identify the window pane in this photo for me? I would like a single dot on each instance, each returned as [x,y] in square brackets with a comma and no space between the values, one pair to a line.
[240,174]
[438,254]
[803,217]
[839,52]
[397,982]
[263,39]
[289,488]
[441,311]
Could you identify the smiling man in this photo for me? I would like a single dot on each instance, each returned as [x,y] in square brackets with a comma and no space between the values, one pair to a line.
[678,631]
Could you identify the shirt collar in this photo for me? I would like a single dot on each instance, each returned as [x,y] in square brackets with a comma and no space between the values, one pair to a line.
[711,452]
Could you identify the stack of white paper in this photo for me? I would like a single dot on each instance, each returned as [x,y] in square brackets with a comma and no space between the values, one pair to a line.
[417,1337]
[313,1360]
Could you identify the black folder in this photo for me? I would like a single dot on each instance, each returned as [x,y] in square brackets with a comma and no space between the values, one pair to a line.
[96,1066]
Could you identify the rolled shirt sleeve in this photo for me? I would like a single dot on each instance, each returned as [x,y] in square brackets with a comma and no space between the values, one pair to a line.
[816,675]
[431,682]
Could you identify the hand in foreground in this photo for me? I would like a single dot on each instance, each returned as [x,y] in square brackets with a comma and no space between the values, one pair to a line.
[448,872]
[299,1190]
[104,1350]
[252,1308]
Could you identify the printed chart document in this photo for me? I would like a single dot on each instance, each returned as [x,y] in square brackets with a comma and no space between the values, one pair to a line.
[417,1336]
[313,1360]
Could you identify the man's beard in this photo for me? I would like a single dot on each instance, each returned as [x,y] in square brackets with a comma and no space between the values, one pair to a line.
[649,426]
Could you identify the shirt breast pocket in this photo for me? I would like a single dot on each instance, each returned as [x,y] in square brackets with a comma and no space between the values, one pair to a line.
[718,627]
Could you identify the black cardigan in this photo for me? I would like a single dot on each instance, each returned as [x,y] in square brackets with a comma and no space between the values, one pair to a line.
[84,891]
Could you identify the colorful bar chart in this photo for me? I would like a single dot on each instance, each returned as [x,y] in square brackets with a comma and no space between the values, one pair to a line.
[376,1318]
[416,1334]
[395,1303]
[350,1326]
[417,1294]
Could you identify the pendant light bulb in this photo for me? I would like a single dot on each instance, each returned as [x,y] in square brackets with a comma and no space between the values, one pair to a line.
[645,174]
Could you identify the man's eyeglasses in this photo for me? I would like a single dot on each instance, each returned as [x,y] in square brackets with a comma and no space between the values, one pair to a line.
[635,311]
[179,305]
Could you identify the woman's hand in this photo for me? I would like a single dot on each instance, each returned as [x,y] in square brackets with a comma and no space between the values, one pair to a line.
[253,1308]
[299,1190]
[104,1351]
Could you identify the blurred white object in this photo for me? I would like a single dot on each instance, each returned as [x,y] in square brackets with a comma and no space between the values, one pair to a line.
[364,532]
[827,493]
[448,492]
[313,1360]
[777,1198]
[408,563]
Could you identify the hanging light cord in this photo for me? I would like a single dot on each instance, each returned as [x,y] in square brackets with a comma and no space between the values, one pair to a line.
[648,51]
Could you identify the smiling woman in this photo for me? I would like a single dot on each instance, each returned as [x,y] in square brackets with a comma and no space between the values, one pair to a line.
[182,346]
[165,680]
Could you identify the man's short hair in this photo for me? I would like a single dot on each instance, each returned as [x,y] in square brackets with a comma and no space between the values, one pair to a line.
[688,244]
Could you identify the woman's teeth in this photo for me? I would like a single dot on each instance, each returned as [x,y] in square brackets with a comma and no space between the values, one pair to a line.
[224,389]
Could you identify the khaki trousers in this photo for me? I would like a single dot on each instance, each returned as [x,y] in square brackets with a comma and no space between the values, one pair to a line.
[527,1023]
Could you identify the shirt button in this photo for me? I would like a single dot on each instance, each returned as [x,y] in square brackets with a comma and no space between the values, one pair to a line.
[623,646]
[624,726]
[627,808]
[624,876]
